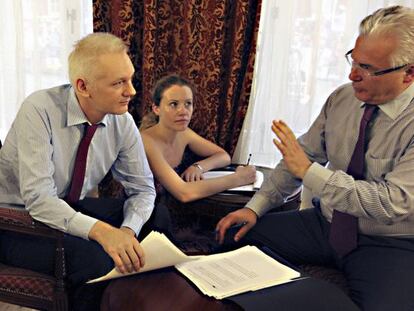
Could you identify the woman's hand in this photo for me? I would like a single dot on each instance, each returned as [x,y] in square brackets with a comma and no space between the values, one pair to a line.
[246,174]
[192,173]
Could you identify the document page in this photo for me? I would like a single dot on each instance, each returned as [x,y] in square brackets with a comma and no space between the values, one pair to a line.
[235,272]
[251,187]
[159,251]
[220,275]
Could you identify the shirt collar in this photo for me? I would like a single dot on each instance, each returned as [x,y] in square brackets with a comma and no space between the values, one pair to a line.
[75,114]
[395,107]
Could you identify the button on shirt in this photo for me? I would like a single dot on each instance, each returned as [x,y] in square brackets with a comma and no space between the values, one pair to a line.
[38,155]
[384,200]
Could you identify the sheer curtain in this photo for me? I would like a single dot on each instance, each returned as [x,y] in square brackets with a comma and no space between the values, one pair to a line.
[300,61]
[35,39]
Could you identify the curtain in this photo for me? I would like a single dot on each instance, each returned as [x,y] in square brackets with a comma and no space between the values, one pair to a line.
[35,40]
[210,42]
[300,61]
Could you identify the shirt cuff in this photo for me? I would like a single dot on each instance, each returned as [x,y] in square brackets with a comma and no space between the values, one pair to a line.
[80,225]
[133,222]
[316,178]
[259,204]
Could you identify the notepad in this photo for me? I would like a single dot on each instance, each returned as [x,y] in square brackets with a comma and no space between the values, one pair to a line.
[251,187]
[219,275]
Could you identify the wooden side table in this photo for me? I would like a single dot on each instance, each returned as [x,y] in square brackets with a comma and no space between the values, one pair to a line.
[205,213]
[159,290]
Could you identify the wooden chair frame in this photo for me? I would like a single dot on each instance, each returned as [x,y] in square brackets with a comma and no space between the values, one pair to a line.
[16,219]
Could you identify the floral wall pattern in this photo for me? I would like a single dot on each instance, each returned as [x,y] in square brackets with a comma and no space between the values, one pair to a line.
[210,42]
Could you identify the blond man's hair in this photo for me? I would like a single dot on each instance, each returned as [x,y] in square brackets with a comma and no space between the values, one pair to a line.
[82,60]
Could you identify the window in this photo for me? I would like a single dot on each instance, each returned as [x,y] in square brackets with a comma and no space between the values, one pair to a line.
[300,61]
[35,40]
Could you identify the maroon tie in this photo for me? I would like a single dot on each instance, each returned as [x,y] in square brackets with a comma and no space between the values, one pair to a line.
[344,227]
[80,165]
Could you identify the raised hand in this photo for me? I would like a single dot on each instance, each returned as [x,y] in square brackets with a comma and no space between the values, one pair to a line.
[295,158]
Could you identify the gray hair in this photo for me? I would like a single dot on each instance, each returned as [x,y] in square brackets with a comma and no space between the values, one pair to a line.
[394,20]
[82,60]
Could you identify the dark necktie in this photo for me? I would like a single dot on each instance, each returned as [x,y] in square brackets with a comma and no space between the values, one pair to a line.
[80,165]
[344,227]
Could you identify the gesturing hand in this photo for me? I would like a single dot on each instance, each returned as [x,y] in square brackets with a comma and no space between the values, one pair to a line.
[295,158]
[121,245]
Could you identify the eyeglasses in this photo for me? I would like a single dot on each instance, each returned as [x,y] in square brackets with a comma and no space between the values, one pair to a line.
[366,69]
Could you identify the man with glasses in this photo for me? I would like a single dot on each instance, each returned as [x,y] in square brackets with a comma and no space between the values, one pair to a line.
[356,166]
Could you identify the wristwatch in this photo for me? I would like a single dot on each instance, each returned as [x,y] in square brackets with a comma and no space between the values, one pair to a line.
[198,166]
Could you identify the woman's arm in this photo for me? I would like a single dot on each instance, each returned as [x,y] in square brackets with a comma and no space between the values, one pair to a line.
[214,155]
[190,191]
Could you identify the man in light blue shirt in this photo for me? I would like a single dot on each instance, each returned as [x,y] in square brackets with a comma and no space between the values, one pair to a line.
[38,158]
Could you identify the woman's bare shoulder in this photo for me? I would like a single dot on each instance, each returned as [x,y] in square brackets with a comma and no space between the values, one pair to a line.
[150,140]
[189,135]
[148,133]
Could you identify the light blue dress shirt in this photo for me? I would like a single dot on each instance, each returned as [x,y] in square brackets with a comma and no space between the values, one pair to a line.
[38,155]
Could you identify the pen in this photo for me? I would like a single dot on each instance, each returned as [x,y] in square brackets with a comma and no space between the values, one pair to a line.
[248,160]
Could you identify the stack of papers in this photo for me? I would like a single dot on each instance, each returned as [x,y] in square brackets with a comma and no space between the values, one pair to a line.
[251,187]
[242,270]
[220,275]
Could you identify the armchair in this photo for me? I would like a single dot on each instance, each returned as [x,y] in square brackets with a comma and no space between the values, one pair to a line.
[25,287]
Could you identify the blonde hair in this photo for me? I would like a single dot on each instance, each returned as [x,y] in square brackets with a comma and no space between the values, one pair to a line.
[82,60]
[394,20]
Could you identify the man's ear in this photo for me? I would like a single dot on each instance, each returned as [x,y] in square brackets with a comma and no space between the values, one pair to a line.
[409,74]
[155,109]
[81,87]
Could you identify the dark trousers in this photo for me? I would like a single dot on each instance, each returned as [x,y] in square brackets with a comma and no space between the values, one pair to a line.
[379,272]
[85,260]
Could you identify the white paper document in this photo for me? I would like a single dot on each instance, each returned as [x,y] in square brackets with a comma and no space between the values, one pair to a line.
[219,275]
[251,187]
[159,252]
[235,272]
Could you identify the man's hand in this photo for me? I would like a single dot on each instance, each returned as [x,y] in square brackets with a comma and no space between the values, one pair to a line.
[244,216]
[120,244]
[295,158]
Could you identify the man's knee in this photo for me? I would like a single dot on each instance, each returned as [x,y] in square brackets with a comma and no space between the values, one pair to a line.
[85,260]
[309,294]
[402,300]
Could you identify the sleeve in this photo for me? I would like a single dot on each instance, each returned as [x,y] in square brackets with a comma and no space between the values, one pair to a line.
[281,183]
[387,201]
[387,196]
[132,170]
[36,170]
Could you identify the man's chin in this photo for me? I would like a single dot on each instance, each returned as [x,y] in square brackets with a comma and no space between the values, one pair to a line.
[361,95]
[120,111]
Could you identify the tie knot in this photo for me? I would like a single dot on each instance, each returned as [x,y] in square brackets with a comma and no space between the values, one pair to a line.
[90,130]
[369,111]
